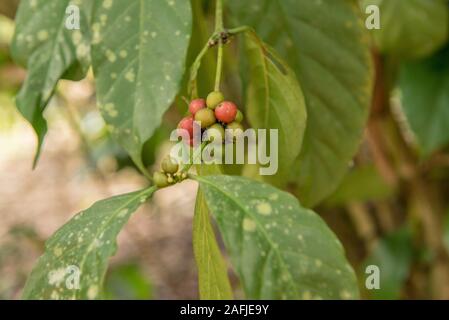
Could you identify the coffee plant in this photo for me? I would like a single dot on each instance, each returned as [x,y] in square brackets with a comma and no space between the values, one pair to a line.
[305,69]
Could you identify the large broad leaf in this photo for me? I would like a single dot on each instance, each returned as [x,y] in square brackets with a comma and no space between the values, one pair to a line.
[82,247]
[275,101]
[425,98]
[138,54]
[326,44]
[279,249]
[410,28]
[213,281]
[50,51]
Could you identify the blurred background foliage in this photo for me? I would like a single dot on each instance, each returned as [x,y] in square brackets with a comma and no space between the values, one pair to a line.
[391,210]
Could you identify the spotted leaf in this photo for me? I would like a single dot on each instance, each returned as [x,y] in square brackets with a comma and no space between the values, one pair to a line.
[50,51]
[279,249]
[138,55]
[80,250]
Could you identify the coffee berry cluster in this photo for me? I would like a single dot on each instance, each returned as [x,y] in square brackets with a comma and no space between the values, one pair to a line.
[169,173]
[220,120]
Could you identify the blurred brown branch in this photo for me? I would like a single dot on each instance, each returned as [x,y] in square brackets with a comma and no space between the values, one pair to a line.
[399,165]
[9,8]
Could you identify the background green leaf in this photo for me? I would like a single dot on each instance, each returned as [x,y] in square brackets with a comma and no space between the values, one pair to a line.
[49,50]
[128,282]
[363,183]
[326,44]
[410,28]
[87,242]
[275,101]
[425,100]
[279,249]
[138,54]
[393,255]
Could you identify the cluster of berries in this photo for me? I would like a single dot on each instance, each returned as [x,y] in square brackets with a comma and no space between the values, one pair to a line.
[169,173]
[215,115]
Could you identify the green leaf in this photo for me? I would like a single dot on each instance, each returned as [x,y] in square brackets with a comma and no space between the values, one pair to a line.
[138,54]
[48,49]
[275,101]
[326,44]
[279,249]
[85,243]
[213,281]
[393,255]
[425,99]
[410,28]
[128,282]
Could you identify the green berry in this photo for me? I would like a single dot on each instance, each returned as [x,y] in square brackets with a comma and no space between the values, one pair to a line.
[160,180]
[216,133]
[214,99]
[206,117]
[169,165]
[233,130]
[239,116]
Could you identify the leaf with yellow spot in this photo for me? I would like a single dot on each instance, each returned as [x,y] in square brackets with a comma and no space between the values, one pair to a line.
[139,50]
[76,256]
[279,249]
[49,51]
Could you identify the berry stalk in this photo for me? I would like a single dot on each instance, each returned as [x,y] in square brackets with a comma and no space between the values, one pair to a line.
[219,28]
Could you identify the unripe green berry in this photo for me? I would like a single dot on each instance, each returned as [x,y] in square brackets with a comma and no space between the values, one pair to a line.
[206,117]
[160,180]
[214,99]
[239,116]
[216,133]
[168,165]
[170,179]
[233,130]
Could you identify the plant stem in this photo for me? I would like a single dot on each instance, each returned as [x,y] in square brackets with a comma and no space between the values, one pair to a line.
[219,27]
[192,87]
[219,66]
[193,156]
[241,29]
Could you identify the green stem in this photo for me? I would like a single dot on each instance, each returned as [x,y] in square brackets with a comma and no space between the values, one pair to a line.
[195,153]
[219,67]
[219,27]
[192,87]
[241,29]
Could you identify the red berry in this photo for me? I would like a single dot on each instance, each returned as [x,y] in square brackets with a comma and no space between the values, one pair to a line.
[187,124]
[226,112]
[196,105]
